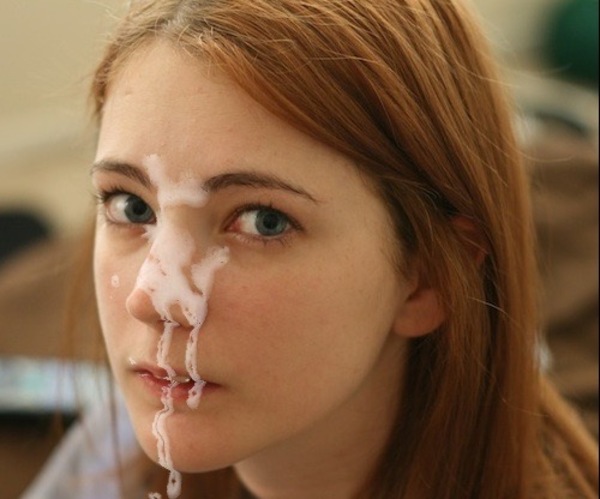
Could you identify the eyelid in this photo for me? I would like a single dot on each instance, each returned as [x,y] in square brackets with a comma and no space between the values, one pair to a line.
[262,206]
[105,196]
[283,238]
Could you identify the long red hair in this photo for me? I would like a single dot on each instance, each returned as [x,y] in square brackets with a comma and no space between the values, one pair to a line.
[407,90]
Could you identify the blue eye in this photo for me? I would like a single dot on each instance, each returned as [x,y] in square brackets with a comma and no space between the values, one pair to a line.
[128,209]
[265,222]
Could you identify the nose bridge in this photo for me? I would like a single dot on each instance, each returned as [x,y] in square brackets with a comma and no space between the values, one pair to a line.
[166,274]
[163,289]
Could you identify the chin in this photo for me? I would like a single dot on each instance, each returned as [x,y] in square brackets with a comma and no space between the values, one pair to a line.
[191,451]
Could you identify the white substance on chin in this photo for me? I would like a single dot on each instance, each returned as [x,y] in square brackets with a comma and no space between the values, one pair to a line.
[167,276]
[159,431]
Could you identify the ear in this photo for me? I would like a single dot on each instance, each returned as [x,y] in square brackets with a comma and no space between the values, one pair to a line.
[421,312]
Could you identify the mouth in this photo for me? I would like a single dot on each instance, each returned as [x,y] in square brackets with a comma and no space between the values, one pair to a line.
[179,383]
[178,379]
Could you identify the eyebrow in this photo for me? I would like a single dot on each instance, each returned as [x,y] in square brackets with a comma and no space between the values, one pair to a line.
[213,184]
[125,169]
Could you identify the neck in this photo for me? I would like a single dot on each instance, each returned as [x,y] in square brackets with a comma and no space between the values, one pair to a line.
[334,458]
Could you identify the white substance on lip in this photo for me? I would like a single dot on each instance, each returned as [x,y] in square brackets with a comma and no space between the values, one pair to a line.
[172,282]
[202,275]
[164,345]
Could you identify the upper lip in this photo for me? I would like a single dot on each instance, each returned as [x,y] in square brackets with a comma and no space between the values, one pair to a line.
[181,375]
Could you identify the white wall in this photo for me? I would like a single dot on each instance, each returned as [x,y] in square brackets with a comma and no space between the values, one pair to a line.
[515,25]
[47,48]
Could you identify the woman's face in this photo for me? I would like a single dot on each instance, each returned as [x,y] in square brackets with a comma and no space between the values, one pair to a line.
[208,199]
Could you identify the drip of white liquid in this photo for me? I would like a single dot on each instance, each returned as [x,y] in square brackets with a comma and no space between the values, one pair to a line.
[202,275]
[163,445]
[159,430]
[163,277]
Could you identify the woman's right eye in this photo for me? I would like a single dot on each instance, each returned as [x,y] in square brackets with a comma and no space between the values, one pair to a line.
[124,208]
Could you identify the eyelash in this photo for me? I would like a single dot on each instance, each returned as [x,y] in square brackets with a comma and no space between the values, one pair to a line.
[282,239]
[104,196]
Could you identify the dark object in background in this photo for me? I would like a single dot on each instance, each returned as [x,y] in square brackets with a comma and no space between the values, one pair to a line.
[564,175]
[571,42]
[19,229]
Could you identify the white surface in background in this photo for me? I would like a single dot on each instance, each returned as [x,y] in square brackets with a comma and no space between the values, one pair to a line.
[35,386]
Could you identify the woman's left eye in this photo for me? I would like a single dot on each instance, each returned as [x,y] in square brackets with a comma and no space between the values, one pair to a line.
[262,222]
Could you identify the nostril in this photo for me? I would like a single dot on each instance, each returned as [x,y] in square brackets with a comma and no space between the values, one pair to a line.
[139,305]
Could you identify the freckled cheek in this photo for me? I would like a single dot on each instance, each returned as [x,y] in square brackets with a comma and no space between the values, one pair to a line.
[251,313]
[114,279]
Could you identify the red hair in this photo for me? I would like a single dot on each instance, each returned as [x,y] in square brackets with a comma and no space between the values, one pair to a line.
[406,89]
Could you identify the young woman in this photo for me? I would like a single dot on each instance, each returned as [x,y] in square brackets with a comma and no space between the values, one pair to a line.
[313,256]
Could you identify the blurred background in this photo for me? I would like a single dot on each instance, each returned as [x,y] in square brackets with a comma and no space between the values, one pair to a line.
[549,55]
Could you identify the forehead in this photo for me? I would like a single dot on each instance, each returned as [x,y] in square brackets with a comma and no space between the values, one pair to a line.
[163,101]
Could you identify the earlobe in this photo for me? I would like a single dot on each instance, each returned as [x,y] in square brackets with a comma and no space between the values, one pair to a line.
[421,313]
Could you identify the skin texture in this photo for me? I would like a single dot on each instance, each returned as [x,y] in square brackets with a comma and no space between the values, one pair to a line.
[305,331]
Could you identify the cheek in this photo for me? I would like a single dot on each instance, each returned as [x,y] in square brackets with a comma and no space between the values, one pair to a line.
[114,278]
[302,324]
[266,307]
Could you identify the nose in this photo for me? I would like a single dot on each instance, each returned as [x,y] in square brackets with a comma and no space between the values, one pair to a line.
[139,305]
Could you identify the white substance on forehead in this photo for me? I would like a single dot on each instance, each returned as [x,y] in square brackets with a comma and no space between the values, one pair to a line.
[186,191]
[172,282]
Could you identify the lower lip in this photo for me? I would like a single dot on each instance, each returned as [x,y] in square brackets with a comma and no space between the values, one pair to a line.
[179,392]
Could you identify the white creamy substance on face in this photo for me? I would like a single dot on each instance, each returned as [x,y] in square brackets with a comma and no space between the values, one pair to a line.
[167,276]
[202,275]
[186,191]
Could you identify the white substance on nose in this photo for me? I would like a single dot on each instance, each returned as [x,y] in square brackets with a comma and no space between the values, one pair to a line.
[173,283]
[186,191]
[150,232]
[202,276]
[162,274]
